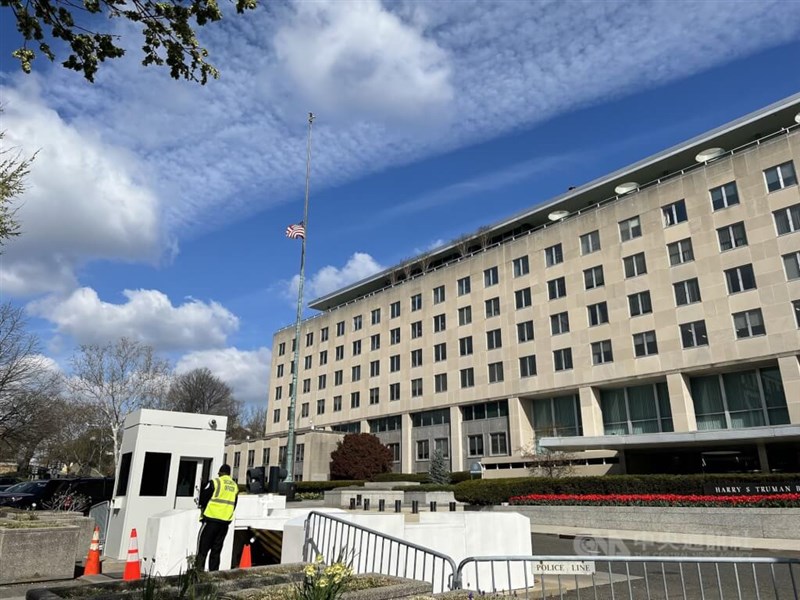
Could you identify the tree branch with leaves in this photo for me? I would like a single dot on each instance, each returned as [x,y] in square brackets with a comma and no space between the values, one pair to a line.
[13,170]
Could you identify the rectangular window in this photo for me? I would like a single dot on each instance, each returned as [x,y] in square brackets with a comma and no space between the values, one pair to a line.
[306,385]
[394,363]
[339,352]
[438,294]
[601,352]
[439,323]
[281,348]
[724,196]
[636,410]
[749,323]
[440,352]
[278,392]
[337,403]
[358,322]
[687,292]
[593,278]
[598,313]
[630,229]
[304,409]
[527,366]
[495,372]
[416,302]
[498,443]
[557,417]
[356,373]
[395,450]
[559,323]
[694,334]
[375,368]
[338,377]
[265,456]
[791,263]
[640,304]
[323,334]
[522,298]
[645,343]
[276,415]
[442,446]
[467,377]
[464,286]
[416,388]
[156,465]
[416,358]
[465,346]
[680,252]
[440,382]
[475,445]
[491,277]
[674,213]
[732,236]
[787,220]
[309,338]
[590,242]
[557,288]
[423,450]
[375,316]
[521,266]
[394,310]
[323,357]
[340,328]
[635,265]
[780,176]
[740,279]
[375,341]
[394,336]
[394,391]
[374,395]
[307,362]
[553,255]
[796,306]
[494,339]
[320,407]
[355,399]
[416,330]
[562,359]
[280,371]
[525,331]
[356,347]
[465,315]
[492,307]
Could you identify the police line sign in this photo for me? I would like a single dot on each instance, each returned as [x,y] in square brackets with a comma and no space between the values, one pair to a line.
[563,567]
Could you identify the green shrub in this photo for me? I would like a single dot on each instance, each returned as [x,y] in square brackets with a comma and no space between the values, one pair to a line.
[495,491]
[459,476]
[421,477]
[426,487]
[306,487]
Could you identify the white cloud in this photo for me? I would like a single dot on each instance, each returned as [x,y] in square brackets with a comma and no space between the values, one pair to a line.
[85,199]
[246,371]
[147,316]
[329,278]
[357,58]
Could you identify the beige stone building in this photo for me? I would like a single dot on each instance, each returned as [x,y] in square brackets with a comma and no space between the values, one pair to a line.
[648,321]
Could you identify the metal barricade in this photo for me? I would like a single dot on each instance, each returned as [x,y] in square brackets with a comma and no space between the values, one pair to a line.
[370,551]
[631,577]
[101,513]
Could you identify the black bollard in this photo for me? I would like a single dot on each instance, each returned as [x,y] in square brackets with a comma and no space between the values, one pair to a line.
[452,507]
[352,503]
[414,506]
[433,506]
[381,505]
[366,503]
[397,505]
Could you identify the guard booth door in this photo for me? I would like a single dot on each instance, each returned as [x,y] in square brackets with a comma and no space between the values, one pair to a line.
[193,473]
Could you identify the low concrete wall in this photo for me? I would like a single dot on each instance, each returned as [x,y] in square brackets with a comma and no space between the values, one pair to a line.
[442,499]
[85,524]
[777,523]
[38,554]
[340,497]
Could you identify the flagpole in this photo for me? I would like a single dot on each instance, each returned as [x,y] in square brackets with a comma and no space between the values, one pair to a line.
[290,439]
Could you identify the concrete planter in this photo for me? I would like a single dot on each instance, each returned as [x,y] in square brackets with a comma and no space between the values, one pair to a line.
[85,524]
[442,499]
[777,523]
[40,553]
[340,497]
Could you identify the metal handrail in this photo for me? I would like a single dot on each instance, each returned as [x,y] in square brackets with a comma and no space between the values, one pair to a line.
[372,551]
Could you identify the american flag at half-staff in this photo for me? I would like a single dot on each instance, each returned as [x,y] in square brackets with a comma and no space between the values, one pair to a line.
[295,231]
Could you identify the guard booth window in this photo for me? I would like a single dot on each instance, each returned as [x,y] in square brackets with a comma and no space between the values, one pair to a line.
[187,473]
[155,474]
[124,474]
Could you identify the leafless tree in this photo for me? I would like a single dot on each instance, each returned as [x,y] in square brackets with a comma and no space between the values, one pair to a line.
[200,391]
[254,420]
[117,379]
[26,380]
[462,243]
[547,463]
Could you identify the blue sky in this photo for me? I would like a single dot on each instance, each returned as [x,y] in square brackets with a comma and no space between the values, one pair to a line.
[156,208]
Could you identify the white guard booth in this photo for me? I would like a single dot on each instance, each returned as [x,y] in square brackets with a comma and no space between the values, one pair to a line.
[165,458]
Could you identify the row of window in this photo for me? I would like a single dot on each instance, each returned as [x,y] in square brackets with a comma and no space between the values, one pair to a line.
[498,446]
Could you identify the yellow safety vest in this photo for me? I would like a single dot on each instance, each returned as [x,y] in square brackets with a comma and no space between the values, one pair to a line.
[221,505]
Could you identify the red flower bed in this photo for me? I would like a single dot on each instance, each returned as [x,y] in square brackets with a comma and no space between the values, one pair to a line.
[766,501]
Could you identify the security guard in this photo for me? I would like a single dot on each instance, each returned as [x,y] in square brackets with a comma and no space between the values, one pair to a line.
[217,503]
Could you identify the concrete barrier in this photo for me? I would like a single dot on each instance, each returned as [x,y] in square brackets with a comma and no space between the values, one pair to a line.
[43,552]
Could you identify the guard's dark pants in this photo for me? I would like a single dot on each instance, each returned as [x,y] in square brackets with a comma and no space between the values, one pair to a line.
[212,536]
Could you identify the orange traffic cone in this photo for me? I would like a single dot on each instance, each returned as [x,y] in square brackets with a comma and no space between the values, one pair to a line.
[132,568]
[246,561]
[93,559]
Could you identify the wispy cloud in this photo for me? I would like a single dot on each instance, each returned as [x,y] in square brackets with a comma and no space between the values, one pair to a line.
[330,278]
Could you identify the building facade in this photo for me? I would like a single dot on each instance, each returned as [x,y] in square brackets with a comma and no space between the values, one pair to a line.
[646,321]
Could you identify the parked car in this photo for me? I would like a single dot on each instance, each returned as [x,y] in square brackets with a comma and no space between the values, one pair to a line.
[78,494]
[6,482]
